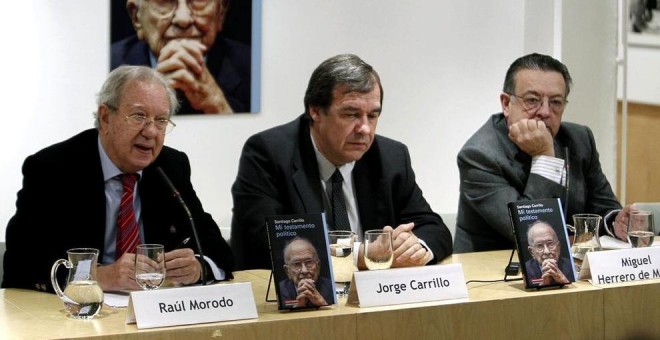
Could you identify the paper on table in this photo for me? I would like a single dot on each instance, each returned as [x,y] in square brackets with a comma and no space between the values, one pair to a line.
[609,242]
[115,299]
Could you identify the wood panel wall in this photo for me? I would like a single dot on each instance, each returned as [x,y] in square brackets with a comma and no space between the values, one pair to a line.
[643,152]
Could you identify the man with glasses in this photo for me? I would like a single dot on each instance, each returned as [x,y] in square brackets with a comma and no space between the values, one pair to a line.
[183,40]
[547,266]
[527,152]
[102,189]
[304,287]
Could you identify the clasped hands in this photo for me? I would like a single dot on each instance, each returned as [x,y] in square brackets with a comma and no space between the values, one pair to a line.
[182,267]
[307,291]
[552,273]
[407,249]
[181,61]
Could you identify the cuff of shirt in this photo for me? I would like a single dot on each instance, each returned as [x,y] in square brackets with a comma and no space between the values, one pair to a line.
[549,167]
[427,249]
[610,227]
[218,274]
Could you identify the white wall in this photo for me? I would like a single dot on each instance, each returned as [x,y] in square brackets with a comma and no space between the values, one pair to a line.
[442,65]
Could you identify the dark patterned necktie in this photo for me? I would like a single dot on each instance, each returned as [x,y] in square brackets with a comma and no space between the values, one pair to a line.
[128,236]
[340,216]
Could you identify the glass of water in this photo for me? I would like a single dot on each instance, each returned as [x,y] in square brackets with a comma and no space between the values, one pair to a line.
[378,249]
[150,265]
[641,230]
[341,254]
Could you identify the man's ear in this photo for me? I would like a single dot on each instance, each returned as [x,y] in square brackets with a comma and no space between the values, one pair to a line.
[314,112]
[133,10]
[505,101]
[103,113]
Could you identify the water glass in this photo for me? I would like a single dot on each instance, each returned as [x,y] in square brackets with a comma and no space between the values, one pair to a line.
[150,265]
[641,230]
[378,249]
[341,254]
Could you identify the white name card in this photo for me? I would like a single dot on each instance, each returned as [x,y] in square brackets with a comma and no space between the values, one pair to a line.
[624,265]
[408,285]
[191,305]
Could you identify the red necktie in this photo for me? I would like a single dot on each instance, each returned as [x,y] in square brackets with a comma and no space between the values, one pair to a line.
[127,228]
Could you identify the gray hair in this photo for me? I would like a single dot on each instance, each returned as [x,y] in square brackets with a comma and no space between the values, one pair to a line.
[113,87]
[535,61]
[346,70]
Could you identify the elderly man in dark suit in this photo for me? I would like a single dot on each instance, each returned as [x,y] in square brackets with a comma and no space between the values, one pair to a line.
[82,193]
[527,152]
[330,159]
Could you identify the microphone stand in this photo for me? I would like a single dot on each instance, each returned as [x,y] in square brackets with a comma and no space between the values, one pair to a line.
[190,218]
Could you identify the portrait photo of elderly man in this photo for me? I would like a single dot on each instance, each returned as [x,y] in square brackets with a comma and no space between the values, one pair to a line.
[185,41]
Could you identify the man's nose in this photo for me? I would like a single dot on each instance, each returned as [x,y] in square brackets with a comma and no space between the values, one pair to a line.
[544,110]
[182,14]
[363,126]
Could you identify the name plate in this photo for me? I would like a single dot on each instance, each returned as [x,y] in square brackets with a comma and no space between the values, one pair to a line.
[624,265]
[408,285]
[191,305]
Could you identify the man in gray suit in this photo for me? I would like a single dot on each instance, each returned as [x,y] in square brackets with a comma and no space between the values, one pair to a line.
[527,152]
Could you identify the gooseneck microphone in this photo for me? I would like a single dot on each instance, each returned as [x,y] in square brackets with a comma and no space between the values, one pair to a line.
[190,218]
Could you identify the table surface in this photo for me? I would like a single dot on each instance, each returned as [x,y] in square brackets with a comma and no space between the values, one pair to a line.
[494,310]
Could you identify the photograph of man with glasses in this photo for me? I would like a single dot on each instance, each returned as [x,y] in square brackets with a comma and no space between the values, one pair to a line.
[527,152]
[305,286]
[103,189]
[548,266]
[185,42]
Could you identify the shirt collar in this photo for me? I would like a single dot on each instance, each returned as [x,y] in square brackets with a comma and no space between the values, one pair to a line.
[110,170]
[326,168]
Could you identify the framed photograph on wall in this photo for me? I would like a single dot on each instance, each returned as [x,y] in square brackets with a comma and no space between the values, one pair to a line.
[644,25]
[210,50]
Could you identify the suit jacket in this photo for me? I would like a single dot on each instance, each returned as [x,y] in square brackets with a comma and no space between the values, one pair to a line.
[228,61]
[278,174]
[494,172]
[62,206]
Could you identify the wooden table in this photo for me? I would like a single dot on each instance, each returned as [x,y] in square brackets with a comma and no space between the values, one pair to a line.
[501,310]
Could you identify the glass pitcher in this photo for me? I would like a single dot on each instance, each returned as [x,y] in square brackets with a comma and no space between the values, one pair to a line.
[586,235]
[82,296]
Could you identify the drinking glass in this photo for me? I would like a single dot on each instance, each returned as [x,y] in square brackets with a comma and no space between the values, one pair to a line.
[150,265]
[378,249]
[641,230]
[341,254]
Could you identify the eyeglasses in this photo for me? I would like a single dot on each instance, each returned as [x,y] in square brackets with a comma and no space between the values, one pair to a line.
[297,265]
[539,247]
[167,7]
[533,103]
[139,121]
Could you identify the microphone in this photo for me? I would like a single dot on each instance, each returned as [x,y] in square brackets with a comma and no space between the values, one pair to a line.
[190,218]
[568,182]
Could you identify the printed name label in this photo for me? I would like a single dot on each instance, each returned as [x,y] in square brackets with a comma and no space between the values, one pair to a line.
[408,285]
[624,265]
[191,305]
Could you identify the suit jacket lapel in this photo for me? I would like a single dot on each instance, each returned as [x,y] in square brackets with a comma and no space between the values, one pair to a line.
[306,177]
[519,162]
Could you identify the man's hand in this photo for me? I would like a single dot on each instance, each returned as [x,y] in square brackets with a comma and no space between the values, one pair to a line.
[552,273]
[181,61]
[532,137]
[119,275]
[182,267]
[408,251]
[307,291]
[621,223]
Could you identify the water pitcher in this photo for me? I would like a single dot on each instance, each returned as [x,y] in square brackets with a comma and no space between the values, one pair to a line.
[82,296]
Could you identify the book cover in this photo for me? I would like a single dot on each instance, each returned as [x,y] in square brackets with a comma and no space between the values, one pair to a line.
[542,242]
[301,261]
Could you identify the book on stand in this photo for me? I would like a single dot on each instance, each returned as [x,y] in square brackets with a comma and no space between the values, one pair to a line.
[542,242]
[301,261]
